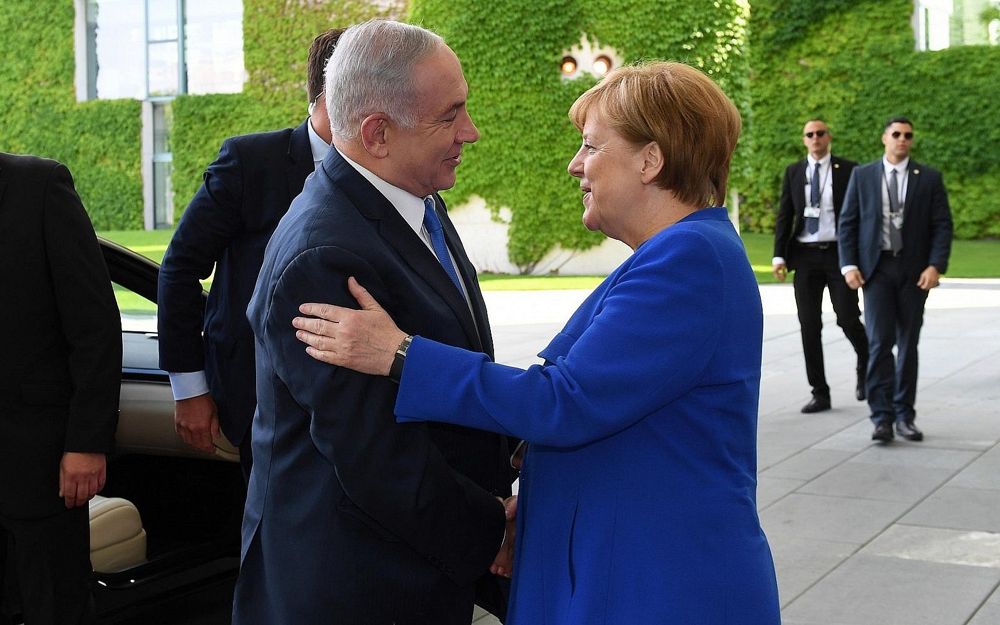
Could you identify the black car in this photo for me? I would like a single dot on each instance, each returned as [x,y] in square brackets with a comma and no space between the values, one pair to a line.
[177,558]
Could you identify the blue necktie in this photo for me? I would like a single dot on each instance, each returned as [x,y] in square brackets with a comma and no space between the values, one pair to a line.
[812,223]
[436,232]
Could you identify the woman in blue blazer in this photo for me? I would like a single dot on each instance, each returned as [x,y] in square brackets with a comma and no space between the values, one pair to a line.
[638,490]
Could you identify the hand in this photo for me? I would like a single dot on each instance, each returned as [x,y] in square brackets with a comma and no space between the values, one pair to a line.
[81,476]
[196,420]
[503,564]
[364,340]
[854,279]
[929,278]
[780,271]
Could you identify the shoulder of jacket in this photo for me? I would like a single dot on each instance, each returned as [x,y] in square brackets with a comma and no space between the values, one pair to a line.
[845,162]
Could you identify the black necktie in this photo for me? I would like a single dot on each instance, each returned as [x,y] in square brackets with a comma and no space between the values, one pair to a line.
[812,223]
[895,213]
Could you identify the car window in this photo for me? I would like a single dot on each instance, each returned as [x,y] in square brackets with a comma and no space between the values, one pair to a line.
[138,313]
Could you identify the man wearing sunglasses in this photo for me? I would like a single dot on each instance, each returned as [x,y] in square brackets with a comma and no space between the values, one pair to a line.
[895,240]
[805,240]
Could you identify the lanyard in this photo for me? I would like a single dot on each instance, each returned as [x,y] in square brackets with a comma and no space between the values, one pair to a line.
[822,181]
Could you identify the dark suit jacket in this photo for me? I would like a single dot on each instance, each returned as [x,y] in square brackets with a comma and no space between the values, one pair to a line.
[60,335]
[791,221]
[226,227]
[927,226]
[349,514]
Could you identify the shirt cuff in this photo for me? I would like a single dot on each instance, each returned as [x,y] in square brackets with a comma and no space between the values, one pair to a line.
[777,260]
[187,385]
[846,268]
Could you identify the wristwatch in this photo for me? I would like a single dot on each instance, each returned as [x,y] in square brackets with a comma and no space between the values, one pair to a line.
[396,370]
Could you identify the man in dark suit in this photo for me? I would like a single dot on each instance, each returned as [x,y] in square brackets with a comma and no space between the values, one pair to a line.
[349,516]
[225,228]
[895,240]
[60,375]
[805,240]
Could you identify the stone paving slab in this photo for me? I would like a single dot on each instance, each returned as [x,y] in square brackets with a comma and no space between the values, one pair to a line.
[988,614]
[932,544]
[958,508]
[875,590]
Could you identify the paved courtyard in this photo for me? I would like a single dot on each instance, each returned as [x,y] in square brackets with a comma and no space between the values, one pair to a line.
[904,534]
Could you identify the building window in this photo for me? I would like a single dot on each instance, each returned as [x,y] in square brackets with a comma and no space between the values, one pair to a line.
[155,50]
[133,48]
[163,197]
[941,24]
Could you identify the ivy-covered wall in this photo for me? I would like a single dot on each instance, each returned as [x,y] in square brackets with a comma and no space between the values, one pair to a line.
[853,63]
[511,51]
[39,114]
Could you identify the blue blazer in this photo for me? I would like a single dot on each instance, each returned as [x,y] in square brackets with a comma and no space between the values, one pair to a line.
[350,517]
[225,228]
[927,226]
[638,492]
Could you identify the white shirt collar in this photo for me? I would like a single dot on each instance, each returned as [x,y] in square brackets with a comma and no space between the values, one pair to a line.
[822,162]
[316,144]
[409,206]
[900,166]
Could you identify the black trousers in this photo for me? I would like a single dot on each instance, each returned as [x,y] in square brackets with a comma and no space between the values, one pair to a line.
[45,568]
[815,270]
[894,314]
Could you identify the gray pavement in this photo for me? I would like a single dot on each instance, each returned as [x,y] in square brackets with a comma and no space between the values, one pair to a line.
[862,534]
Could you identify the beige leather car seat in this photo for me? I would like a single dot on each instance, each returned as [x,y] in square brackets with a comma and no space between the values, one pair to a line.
[117,539]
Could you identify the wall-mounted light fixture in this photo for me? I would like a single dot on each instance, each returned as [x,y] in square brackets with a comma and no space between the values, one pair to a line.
[568,66]
[602,65]
[589,58]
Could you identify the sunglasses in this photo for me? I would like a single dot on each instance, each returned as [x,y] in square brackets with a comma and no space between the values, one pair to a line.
[906,135]
[818,133]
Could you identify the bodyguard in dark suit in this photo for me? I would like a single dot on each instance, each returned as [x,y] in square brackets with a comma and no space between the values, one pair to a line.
[208,347]
[805,240]
[350,517]
[895,240]
[60,375]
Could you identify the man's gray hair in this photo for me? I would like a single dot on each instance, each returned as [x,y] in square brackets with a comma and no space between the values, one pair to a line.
[371,71]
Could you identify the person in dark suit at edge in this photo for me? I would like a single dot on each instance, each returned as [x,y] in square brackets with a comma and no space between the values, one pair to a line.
[805,240]
[225,228]
[350,516]
[60,378]
[895,240]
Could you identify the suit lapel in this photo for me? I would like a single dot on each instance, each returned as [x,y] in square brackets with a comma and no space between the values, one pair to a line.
[3,186]
[912,183]
[839,185]
[398,234]
[469,277]
[798,188]
[300,160]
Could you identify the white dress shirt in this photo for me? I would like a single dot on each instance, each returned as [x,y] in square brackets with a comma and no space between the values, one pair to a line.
[901,180]
[409,207]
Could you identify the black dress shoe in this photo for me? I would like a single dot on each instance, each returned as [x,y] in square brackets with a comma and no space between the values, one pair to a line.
[816,404]
[909,431]
[882,433]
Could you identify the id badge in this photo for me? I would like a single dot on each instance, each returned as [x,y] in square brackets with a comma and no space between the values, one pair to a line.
[811,211]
